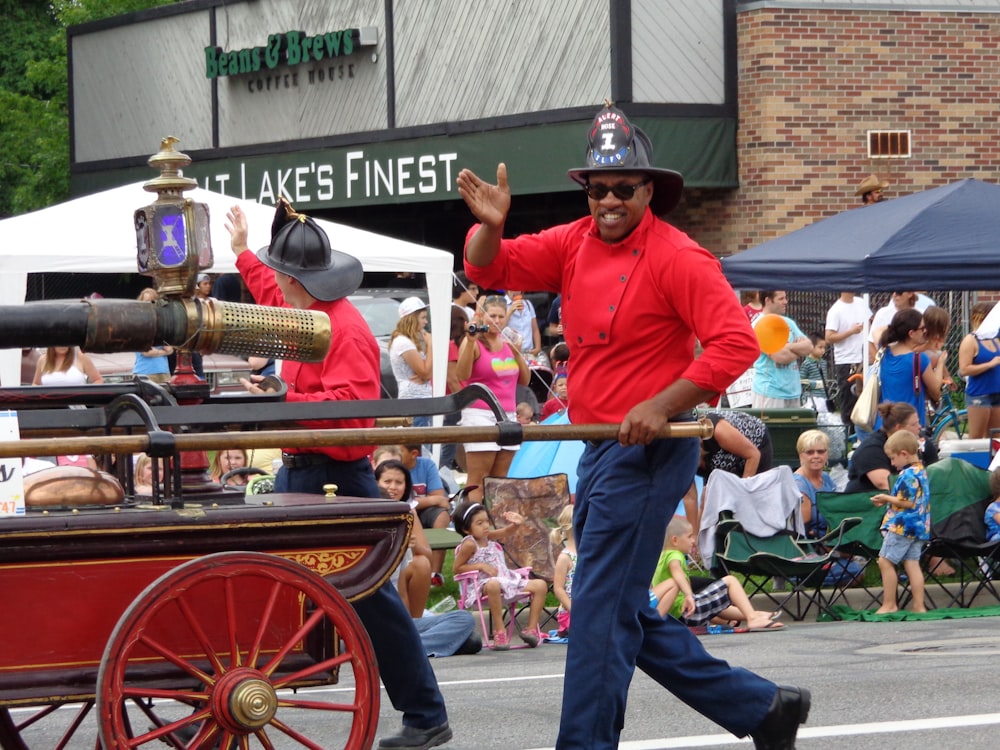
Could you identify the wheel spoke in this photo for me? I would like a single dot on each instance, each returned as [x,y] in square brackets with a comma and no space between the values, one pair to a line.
[190,697]
[322,666]
[232,614]
[265,621]
[263,739]
[295,735]
[298,636]
[34,717]
[194,622]
[320,705]
[161,730]
[77,720]
[177,660]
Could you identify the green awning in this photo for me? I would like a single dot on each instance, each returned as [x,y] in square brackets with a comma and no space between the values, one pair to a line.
[703,149]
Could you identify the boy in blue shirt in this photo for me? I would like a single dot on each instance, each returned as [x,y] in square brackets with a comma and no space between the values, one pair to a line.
[432,503]
[906,524]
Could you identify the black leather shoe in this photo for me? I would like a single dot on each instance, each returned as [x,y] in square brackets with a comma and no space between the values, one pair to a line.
[413,738]
[777,731]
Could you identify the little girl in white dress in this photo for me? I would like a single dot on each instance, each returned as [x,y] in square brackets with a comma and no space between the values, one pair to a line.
[495,581]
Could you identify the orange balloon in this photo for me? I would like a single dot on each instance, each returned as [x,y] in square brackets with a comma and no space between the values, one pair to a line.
[772,332]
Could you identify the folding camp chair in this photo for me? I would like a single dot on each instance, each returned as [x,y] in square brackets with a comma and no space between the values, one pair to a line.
[763,504]
[864,540]
[732,556]
[540,500]
[782,556]
[978,564]
[960,493]
[468,580]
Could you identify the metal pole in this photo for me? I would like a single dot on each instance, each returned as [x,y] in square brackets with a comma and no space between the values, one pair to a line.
[322,438]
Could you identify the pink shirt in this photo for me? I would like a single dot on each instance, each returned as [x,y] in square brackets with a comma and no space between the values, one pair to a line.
[499,372]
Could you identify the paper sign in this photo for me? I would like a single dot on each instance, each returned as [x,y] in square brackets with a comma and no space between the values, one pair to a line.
[11,478]
[740,393]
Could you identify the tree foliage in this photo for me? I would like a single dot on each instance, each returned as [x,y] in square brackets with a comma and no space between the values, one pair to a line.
[34,95]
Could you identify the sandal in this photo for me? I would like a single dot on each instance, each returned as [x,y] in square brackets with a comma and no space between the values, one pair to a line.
[500,641]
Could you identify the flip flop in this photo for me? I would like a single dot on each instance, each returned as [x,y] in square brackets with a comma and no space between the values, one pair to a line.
[769,627]
[776,615]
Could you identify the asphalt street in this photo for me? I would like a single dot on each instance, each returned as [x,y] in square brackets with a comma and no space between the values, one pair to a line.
[875,685]
[891,686]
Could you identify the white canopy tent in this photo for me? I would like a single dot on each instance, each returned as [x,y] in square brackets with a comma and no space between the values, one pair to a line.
[94,234]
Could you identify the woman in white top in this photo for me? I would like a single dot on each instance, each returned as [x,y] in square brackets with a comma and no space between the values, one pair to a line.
[410,353]
[65,365]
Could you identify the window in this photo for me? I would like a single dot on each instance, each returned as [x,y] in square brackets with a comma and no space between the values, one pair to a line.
[888,144]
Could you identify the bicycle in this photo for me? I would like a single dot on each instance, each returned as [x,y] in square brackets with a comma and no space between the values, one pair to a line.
[947,418]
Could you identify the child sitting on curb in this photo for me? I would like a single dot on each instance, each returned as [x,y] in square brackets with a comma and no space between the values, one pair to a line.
[696,602]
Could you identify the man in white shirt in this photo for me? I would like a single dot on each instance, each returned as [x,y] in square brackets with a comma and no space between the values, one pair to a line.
[845,322]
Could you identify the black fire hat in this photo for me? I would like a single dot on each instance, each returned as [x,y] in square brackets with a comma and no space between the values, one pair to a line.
[615,145]
[300,248]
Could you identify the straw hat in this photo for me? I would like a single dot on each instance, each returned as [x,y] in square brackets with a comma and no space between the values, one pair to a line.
[870,183]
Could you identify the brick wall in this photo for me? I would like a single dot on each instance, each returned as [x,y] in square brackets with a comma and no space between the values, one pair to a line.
[813,82]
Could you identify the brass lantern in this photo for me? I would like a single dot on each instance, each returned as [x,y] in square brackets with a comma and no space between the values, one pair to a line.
[172,234]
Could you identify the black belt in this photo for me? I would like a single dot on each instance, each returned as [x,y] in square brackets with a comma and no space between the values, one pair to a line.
[302,460]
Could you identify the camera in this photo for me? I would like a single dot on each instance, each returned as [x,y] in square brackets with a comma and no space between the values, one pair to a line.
[474,329]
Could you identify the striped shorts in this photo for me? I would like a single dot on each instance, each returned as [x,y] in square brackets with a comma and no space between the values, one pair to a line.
[708,602]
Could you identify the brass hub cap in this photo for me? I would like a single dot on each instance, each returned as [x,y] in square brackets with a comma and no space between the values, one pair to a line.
[253,703]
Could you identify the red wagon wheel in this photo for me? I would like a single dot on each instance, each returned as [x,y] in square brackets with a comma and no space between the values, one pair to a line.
[75,735]
[207,656]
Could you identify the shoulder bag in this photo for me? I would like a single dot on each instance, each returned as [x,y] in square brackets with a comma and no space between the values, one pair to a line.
[865,411]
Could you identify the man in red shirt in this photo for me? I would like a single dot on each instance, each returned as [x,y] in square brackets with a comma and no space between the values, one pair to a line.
[299,269]
[636,294]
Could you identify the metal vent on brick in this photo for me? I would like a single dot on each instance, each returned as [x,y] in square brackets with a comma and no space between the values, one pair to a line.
[888,144]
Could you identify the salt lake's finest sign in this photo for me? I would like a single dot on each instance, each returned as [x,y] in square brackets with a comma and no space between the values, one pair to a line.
[288,48]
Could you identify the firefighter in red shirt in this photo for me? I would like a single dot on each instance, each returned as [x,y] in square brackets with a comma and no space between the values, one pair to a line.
[636,295]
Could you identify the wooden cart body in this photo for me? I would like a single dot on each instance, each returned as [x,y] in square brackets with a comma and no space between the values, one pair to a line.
[67,578]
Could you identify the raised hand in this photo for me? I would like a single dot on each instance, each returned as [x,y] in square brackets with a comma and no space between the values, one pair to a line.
[489,203]
[237,228]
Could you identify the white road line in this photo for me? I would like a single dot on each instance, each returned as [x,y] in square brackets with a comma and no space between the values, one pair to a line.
[837,730]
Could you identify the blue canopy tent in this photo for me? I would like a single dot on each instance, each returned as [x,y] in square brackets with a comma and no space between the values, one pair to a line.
[535,459]
[946,238]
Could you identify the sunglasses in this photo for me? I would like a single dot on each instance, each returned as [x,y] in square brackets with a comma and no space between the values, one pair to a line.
[621,192]
[816,452]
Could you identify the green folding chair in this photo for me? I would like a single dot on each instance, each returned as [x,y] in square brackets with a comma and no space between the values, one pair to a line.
[799,562]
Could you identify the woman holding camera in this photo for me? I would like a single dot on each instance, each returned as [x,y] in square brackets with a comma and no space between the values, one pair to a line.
[485,357]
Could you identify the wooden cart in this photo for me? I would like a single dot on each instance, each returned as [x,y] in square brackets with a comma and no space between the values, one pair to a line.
[191,623]
[149,616]
[197,621]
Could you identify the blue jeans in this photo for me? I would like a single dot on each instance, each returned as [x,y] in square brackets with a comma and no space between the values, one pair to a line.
[625,498]
[444,634]
[402,663]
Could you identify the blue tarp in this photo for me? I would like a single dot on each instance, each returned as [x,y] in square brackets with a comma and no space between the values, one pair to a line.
[946,238]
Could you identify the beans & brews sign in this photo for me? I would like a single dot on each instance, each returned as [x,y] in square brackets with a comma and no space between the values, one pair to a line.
[287,48]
